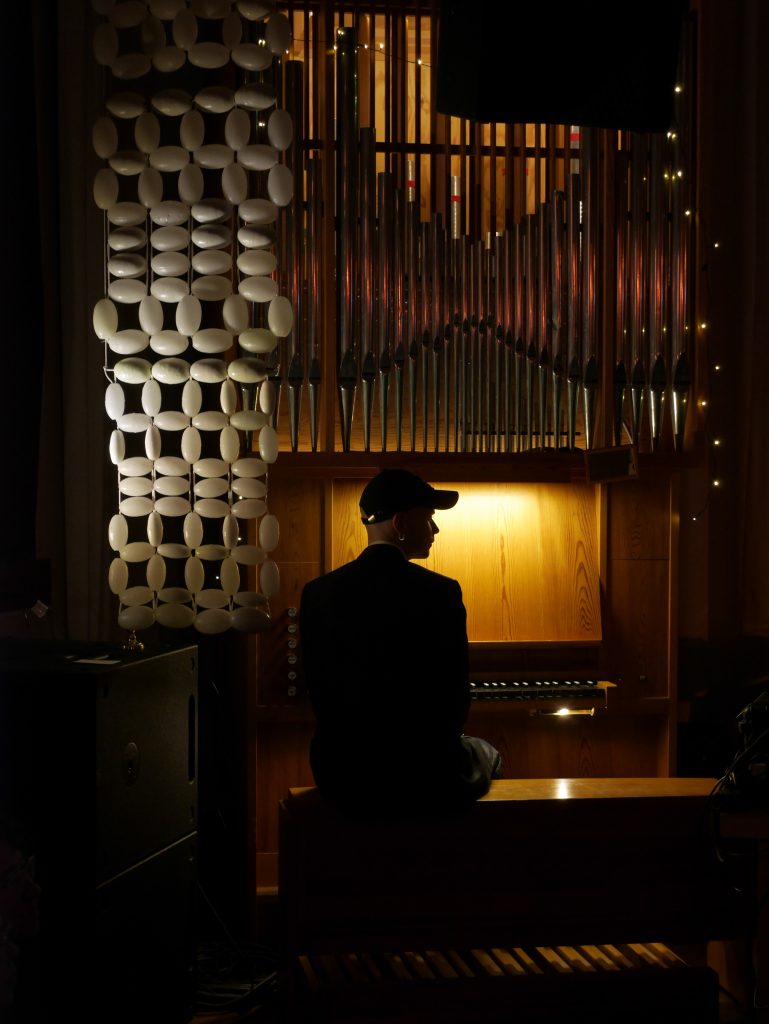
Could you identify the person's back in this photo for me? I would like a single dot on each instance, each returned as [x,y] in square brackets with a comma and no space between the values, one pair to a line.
[384,648]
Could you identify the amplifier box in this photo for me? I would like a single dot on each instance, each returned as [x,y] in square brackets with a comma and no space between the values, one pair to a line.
[98,764]
[99,745]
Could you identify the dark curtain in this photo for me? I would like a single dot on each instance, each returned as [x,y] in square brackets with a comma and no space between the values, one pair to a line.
[54,430]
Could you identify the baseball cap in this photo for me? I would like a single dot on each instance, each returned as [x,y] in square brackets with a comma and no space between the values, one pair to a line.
[398,490]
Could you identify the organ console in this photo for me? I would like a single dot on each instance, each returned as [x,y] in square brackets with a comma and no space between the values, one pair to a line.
[501,302]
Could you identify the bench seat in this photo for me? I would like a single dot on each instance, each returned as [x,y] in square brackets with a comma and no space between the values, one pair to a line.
[546,897]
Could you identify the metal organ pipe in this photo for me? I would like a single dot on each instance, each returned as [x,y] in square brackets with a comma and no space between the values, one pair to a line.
[494,340]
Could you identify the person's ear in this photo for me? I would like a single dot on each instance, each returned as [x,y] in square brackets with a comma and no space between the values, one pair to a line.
[398,525]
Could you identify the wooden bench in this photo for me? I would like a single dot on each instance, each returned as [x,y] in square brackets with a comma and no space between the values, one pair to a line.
[547,900]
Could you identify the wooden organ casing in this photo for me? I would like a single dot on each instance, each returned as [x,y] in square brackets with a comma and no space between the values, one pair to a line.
[566,573]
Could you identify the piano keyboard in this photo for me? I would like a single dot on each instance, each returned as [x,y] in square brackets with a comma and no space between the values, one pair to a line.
[538,689]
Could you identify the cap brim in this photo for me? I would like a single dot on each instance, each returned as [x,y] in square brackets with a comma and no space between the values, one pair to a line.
[445,499]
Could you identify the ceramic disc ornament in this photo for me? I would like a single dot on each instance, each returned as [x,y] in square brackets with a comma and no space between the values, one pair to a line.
[196,172]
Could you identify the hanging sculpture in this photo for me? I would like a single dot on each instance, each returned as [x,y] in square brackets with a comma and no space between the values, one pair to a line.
[194,183]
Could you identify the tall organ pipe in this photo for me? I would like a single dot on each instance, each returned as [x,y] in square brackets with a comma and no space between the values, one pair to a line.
[346,194]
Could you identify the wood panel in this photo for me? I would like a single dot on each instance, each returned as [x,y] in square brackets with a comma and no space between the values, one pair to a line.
[639,521]
[638,645]
[282,761]
[526,556]
[606,745]
[640,588]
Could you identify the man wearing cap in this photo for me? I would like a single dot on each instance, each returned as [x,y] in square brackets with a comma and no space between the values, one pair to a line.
[384,649]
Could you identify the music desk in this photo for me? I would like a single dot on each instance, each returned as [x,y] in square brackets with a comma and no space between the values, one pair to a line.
[536,863]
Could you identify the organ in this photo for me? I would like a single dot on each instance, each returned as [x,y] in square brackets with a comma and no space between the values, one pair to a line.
[495,307]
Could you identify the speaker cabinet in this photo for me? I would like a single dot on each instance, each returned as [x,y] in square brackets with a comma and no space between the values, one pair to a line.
[98,764]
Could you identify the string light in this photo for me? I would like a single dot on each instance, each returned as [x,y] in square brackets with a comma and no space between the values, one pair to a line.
[380,52]
[716,481]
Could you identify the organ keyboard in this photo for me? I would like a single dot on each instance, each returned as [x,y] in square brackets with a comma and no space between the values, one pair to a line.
[564,691]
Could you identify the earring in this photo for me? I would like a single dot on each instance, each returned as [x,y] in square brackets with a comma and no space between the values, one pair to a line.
[401,536]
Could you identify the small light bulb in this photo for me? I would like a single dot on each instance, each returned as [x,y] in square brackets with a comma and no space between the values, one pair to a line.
[694,519]
[381,46]
[680,174]
[716,245]
[716,483]
[679,88]
[419,61]
[687,213]
[717,441]
[703,402]
[717,367]
[703,326]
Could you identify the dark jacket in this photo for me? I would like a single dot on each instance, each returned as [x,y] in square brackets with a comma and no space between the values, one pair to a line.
[384,650]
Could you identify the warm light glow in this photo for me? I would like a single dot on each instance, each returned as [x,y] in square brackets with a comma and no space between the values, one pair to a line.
[563,789]
[563,711]
[716,245]
[717,442]
[679,88]
[717,367]
[508,545]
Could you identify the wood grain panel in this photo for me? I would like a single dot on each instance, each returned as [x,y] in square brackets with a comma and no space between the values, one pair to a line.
[526,556]
[637,649]
[282,761]
[639,519]
[578,747]
[298,504]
